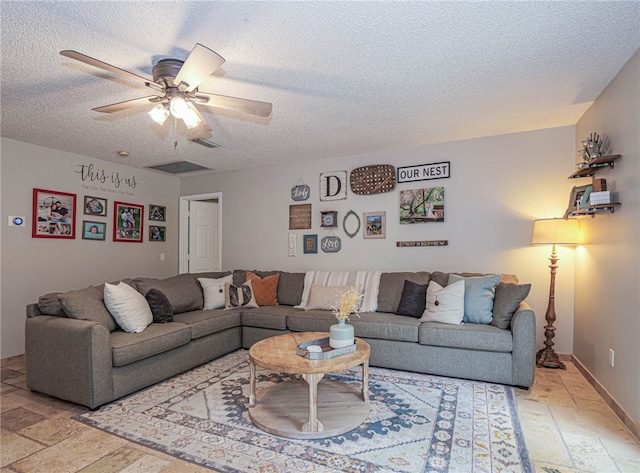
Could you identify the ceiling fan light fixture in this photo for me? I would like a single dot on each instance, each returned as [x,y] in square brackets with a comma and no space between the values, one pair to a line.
[159,114]
[178,107]
[191,118]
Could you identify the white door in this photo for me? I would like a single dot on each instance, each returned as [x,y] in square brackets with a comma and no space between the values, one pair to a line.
[203,236]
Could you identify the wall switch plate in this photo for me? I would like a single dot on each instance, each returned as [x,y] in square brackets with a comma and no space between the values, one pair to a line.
[16,221]
[292,244]
[161,256]
[612,357]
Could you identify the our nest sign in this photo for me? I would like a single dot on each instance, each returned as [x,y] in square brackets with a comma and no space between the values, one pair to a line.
[424,172]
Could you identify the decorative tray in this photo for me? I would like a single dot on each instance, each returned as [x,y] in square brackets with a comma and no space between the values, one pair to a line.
[326,353]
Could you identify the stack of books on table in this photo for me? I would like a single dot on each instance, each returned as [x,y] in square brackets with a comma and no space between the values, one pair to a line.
[599,198]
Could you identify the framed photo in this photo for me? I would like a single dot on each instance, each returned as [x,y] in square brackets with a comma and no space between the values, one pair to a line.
[95,206]
[375,224]
[54,214]
[579,198]
[157,213]
[310,244]
[422,205]
[127,222]
[329,218]
[157,233]
[93,230]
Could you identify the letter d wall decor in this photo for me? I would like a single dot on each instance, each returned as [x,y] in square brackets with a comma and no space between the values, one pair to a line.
[333,185]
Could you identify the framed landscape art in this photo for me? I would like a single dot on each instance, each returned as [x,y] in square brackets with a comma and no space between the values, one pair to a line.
[127,222]
[54,214]
[422,205]
[375,224]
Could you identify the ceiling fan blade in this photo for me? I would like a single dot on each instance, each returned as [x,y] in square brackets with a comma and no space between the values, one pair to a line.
[127,104]
[201,63]
[253,107]
[109,68]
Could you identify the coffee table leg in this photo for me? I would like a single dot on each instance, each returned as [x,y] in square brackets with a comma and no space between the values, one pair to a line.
[252,384]
[313,424]
[365,381]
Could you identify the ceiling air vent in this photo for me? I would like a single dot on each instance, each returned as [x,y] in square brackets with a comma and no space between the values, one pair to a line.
[179,167]
[207,143]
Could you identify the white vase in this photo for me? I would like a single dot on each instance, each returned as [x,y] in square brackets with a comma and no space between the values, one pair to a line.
[340,335]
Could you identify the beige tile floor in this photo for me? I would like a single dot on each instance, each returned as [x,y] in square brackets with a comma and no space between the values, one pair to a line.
[567,426]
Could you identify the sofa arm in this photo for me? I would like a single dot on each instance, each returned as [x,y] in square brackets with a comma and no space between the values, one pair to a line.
[523,330]
[69,359]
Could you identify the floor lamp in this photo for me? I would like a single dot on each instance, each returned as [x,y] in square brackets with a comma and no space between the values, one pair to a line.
[553,231]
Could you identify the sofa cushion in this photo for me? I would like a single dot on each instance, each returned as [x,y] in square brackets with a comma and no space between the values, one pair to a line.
[466,336]
[444,305]
[206,322]
[272,317]
[239,296]
[160,306]
[183,291]
[391,285]
[479,292]
[508,298]
[265,289]
[369,325]
[88,304]
[290,288]
[130,309]
[50,304]
[413,300]
[128,348]
[213,291]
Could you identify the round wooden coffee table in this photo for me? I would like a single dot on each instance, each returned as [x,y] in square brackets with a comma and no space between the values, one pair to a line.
[305,408]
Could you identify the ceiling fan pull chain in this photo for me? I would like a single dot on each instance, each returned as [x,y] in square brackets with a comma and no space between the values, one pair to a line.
[175,134]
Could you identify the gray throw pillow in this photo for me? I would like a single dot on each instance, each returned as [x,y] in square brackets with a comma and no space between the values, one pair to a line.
[508,298]
[392,285]
[183,291]
[290,288]
[160,306]
[413,300]
[49,304]
[88,304]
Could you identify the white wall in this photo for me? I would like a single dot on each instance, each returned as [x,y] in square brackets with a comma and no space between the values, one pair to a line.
[498,186]
[34,266]
[608,267]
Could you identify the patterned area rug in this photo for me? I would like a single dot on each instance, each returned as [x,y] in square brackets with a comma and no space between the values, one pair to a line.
[417,423]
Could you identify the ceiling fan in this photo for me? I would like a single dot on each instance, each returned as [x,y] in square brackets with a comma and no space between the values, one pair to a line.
[175,88]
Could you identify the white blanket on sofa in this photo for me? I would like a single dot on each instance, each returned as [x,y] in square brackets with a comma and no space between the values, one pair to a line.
[368,283]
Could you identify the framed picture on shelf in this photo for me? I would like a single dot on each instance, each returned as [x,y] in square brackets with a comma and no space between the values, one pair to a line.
[578,198]
[157,233]
[157,213]
[93,230]
[375,224]
[127,222]
[54,214]
[95,206]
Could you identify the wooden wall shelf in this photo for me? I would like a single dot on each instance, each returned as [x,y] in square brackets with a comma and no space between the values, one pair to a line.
[594,209]
[594,166]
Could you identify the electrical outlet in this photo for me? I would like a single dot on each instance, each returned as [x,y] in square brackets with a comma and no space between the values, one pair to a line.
[612,357]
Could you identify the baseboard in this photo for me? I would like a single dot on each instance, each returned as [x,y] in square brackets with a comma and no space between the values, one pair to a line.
[629,423]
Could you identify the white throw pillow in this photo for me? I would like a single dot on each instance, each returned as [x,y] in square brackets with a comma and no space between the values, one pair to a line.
[444,305]
[213,290]
[130,309]
[324,297]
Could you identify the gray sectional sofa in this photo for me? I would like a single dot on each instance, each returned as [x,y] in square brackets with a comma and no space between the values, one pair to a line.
[75,350]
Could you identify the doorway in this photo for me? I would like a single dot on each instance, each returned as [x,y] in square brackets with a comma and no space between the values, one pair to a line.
[200,243]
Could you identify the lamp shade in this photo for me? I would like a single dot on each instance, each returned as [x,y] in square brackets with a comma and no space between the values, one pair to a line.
[556,231]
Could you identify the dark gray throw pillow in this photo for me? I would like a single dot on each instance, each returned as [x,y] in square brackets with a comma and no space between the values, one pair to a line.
[508,297]
[413,299]
[160,306]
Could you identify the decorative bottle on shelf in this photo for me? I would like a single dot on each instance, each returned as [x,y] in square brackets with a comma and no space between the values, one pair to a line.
[341,335]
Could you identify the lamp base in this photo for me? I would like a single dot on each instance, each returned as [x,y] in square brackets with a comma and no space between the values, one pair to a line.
[548,358]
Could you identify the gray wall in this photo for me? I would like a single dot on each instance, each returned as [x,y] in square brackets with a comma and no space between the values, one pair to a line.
[607,305]
[34,266]
[498,186]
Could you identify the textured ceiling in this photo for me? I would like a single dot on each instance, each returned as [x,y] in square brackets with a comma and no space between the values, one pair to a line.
[344,77]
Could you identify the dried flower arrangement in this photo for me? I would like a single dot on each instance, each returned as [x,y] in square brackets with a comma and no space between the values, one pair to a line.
[348,304]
